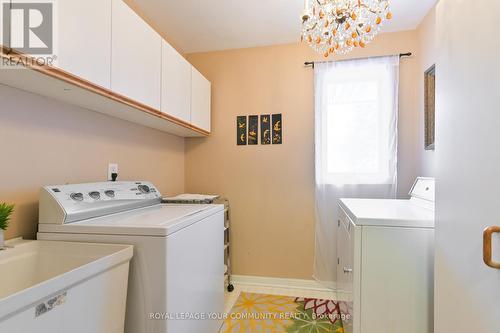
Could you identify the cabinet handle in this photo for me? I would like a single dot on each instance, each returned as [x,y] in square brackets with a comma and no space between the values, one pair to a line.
[347,270]
[488,232]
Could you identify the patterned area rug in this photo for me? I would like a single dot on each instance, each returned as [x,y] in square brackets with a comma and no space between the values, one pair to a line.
[256,313]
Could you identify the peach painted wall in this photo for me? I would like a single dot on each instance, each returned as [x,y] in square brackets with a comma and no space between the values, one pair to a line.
[271,188]
[427,48]
[44,142]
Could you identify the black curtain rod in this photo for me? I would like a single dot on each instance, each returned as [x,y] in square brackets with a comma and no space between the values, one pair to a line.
[311,63]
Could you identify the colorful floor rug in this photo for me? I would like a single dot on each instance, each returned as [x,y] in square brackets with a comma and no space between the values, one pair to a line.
[256,313]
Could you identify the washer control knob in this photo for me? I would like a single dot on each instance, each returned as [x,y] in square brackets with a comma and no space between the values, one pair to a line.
[76,196]
[110,193]
[95,195]
[144,189]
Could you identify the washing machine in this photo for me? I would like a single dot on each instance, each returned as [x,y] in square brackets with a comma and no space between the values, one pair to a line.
[385,264]
[176,281]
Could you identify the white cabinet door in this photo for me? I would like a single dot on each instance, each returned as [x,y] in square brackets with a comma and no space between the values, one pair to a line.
[84,39]
[2,5]
[345,246]
[467,201]
[200,100]
[176,84]
[136,57]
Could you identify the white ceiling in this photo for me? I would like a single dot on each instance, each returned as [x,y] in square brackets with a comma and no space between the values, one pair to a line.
[210,25]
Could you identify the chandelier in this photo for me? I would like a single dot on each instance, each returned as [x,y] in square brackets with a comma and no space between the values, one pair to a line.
[338,26]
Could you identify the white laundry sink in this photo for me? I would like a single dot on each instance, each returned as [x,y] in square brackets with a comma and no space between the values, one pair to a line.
[51,286]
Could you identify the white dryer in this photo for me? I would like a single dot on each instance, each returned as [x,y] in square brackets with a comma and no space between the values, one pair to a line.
[176,281]
[386,261]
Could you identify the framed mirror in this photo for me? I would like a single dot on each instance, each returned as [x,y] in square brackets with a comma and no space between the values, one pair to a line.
[430,106]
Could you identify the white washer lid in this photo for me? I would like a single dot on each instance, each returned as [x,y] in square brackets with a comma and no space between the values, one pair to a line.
[158,220]
[387,212]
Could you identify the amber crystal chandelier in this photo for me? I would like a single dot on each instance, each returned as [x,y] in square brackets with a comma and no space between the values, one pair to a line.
[338,26]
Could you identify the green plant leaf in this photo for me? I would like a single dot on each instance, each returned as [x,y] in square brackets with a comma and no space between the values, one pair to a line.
[6,211]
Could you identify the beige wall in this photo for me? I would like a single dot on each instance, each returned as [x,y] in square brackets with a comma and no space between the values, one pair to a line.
[271,188]
[427,48]
[45,142]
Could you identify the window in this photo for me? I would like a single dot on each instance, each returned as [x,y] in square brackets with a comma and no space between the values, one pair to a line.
[356,104]
[358,129]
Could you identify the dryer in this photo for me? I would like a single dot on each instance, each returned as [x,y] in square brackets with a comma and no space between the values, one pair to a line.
[176,281]
[385,262]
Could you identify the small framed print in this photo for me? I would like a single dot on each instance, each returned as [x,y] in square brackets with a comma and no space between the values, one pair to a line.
[241,130]
[277,129]
[265,129]
[430,107]
[253,130]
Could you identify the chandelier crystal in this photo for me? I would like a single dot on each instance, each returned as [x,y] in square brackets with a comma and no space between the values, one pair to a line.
[338,26]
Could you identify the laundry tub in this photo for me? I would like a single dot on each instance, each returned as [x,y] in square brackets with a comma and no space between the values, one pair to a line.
[59,287]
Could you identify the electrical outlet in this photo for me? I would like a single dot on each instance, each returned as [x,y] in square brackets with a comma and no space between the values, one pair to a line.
[112,168]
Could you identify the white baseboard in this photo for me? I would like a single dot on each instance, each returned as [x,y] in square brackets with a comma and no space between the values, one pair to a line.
[278,282]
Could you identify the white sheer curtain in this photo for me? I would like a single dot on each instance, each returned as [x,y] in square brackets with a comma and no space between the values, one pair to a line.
[356,105]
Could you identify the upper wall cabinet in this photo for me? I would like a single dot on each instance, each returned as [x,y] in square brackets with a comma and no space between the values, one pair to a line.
[200,100]
[84,39]
[135,57]
[110,61]
[176,84]
[1,25]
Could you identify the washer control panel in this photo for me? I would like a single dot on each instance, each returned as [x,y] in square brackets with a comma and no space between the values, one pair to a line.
[104,191]
[83,201]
